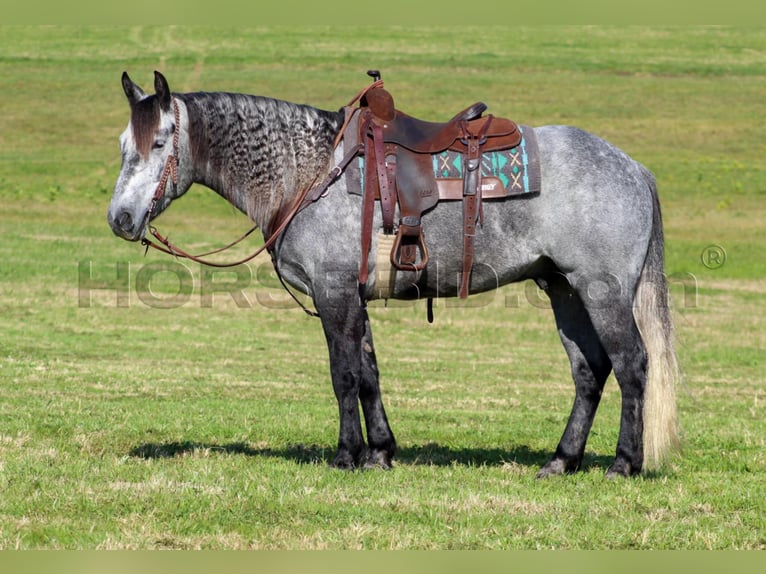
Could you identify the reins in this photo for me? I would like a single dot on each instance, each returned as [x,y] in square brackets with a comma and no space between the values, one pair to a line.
[308,196]
[305,198]
[170,171]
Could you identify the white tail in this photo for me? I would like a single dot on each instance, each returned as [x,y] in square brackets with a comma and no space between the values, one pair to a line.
[652,313]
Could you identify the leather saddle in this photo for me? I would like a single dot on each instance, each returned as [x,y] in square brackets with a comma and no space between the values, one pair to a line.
[398,150]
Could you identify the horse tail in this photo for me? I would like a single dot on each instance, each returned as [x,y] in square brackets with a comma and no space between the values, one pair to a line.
[651,310]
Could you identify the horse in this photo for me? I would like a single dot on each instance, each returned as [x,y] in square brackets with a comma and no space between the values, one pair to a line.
[592,240]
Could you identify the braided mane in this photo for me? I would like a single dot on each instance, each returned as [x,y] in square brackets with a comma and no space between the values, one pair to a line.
[258,152]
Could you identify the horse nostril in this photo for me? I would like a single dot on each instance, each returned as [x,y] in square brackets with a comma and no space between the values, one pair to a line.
[125,221]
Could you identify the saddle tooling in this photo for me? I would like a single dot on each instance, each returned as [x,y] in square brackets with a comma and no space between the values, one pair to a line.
[401,158]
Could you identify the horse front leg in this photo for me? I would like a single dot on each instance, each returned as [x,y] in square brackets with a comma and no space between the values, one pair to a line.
[354,372]
[382,444]
[343,324]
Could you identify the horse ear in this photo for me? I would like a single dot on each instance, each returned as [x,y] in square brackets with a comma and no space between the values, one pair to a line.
[132,91]
[162,90]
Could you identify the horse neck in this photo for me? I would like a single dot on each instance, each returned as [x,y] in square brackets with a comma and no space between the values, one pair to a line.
[258,152]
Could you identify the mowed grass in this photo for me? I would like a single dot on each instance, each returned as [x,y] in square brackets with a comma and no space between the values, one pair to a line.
[143,416]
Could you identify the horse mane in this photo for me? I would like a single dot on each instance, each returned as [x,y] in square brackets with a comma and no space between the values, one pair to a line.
[258,152]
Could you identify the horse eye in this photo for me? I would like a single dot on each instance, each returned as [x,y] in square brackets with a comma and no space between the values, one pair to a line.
[158,144]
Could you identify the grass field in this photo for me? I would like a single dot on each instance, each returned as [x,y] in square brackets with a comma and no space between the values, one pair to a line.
[143,416]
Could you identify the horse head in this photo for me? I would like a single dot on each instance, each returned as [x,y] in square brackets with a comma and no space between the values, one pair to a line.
[155,162]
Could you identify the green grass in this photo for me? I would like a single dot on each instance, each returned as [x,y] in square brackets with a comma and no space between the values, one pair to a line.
[210,425]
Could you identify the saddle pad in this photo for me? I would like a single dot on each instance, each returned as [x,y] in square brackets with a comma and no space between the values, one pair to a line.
[517,168]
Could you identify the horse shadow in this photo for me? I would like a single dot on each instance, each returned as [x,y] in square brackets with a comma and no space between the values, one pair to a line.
[429,454]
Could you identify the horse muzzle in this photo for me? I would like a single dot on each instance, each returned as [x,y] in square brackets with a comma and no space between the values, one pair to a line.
[125,224]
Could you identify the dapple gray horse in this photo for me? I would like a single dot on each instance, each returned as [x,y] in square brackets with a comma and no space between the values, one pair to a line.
[592,240]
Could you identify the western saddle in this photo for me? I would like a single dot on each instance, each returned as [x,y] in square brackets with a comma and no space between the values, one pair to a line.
[398,170]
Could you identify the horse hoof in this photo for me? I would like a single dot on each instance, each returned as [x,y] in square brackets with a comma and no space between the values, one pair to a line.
[615,475]
[620,469]
[378,460]
[554,467]
[557,466]
[343,462]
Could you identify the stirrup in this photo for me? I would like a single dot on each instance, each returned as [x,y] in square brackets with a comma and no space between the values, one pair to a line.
[396,249]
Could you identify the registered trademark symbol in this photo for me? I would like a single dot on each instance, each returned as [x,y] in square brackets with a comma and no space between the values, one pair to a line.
[713,257]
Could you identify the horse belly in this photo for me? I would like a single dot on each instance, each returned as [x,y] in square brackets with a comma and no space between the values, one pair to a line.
[504,253]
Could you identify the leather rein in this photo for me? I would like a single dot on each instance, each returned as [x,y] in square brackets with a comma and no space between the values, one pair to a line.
[305,198]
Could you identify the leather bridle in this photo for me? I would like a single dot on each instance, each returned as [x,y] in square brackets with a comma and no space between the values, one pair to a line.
[170,170]
[308,196]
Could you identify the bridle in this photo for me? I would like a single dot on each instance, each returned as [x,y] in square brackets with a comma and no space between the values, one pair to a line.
[170,170]
[306,197]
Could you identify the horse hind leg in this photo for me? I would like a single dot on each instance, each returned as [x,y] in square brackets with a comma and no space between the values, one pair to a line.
[590,368]
[616,326]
